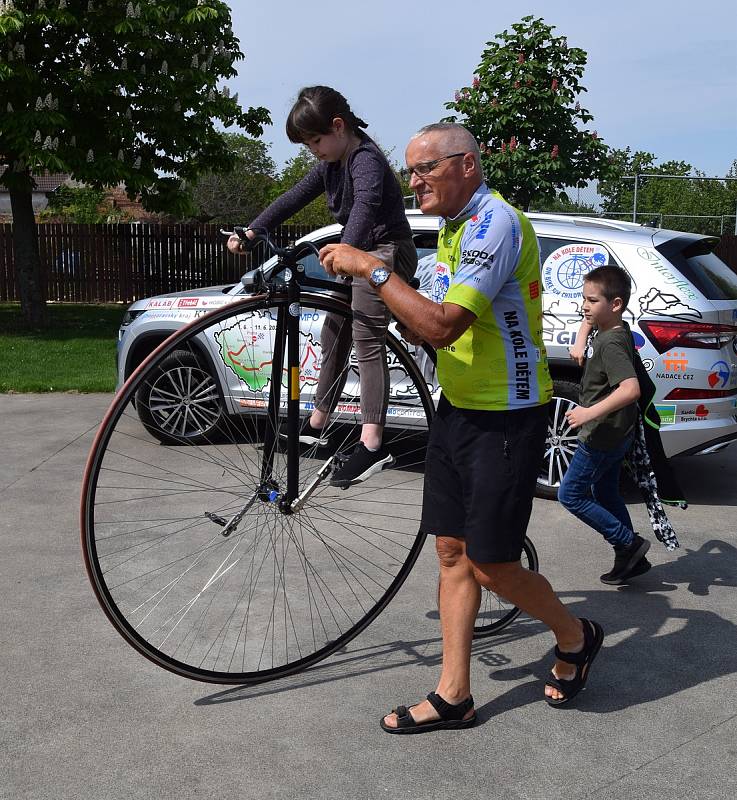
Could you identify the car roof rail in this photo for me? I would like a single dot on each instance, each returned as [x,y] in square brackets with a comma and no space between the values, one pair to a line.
[573,219]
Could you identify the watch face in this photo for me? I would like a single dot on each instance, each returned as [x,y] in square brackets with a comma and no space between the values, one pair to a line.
[379,276]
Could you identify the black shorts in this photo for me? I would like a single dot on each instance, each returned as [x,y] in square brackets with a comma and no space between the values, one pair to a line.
[480,478]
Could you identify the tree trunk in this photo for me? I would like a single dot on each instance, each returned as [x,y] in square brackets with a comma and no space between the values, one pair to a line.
[27,259]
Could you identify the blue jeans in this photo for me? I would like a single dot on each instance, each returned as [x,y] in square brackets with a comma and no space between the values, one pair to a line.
[605,511]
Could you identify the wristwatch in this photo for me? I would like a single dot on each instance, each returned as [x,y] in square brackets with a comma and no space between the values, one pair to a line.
[379,276]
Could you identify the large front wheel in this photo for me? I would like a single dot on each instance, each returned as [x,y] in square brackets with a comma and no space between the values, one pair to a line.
[196,553]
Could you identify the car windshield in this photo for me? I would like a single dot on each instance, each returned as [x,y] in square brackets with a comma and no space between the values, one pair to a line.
[709,274]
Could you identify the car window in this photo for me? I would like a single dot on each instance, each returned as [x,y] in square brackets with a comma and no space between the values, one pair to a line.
[311,263]
[427,252]
[564,262]
[426,244]
[549,244]
[708,273]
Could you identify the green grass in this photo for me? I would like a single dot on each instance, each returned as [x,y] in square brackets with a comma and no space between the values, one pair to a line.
[76,353]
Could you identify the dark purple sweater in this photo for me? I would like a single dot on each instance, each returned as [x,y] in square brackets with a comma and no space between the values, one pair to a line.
[363,195]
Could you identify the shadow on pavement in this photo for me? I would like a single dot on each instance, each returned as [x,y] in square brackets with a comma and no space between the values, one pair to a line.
[707,480]
[652,649]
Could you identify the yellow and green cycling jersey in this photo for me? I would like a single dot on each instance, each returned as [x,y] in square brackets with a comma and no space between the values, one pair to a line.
[489,263]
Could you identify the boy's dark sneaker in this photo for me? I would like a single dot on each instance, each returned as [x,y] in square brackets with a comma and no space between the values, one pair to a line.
[626,560]
[307,434]
[640,568]
[361,464]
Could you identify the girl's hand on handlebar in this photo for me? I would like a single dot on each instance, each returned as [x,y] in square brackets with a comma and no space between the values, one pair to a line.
[235,243]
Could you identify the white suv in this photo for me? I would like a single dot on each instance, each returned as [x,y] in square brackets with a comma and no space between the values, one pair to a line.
[683,315]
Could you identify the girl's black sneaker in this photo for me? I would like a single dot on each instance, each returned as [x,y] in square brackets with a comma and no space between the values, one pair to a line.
[308,434]
[361,464]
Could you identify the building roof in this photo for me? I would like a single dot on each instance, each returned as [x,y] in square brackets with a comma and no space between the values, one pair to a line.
[46,182]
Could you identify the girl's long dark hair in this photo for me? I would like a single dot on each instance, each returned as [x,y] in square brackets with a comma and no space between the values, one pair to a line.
[314,112]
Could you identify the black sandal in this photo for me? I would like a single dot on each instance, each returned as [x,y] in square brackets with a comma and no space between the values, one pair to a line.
[451,716]
[593,636]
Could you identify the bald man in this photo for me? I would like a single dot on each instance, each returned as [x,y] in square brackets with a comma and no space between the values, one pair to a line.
[487,441]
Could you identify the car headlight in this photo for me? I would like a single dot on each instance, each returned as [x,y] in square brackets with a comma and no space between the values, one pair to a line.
[129,316]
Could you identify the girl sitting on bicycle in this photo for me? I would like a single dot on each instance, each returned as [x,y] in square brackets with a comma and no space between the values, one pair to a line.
[364,196]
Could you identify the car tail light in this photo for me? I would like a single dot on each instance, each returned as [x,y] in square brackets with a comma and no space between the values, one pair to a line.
[699,394]
[666,335]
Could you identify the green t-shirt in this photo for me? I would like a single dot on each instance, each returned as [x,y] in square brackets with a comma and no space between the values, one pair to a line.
[610,360]
[488,262]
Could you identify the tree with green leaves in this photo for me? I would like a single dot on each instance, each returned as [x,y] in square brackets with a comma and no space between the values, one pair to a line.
[112,93]
[316,213]
[238,194]
[695,205]
[523,107]
[84,205]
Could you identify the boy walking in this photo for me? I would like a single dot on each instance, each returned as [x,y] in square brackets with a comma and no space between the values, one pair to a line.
[606,421]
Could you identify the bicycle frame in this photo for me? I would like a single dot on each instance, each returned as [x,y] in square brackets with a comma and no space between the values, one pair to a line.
[286,338]
[287,333]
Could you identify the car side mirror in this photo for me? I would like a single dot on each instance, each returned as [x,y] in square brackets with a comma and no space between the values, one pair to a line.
[253,281]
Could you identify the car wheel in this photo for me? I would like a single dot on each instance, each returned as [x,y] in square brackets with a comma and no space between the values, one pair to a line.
[181,403]
[562,440]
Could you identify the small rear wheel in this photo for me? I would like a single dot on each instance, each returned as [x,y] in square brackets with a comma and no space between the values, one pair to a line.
[496,613]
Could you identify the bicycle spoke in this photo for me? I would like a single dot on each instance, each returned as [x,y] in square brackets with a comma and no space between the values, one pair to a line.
[280,590]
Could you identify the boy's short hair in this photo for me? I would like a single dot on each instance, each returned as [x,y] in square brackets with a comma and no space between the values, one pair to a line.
[614,282]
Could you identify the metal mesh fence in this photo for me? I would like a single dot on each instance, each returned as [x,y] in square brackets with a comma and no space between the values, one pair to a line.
[687,203]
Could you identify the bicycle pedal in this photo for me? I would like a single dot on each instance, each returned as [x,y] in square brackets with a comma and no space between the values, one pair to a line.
[216,518]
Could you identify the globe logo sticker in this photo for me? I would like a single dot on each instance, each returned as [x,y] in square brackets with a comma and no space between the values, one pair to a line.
[564,269]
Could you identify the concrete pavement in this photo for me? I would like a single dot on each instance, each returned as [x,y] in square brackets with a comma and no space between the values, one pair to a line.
[84,716]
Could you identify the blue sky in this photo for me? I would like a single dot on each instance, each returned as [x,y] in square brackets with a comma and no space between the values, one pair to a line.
[661,74]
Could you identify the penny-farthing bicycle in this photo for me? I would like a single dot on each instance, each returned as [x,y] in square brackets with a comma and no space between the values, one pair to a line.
[227,556]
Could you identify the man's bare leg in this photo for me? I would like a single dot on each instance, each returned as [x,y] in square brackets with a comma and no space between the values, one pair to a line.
[531,592]
[459,598]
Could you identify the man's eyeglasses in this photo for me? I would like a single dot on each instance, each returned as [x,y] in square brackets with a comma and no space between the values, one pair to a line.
[425,167]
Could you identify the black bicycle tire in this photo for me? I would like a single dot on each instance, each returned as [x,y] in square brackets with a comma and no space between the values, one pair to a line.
[482,631]
[121,401]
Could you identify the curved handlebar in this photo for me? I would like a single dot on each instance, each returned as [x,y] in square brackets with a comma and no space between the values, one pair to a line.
[257,279]
[289,254]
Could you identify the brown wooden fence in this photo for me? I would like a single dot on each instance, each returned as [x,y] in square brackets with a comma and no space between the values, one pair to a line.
[122,263]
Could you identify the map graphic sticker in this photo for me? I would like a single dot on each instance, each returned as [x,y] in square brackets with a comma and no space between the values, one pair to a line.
[557,315]
[246,348]
[564,269]
[664,304]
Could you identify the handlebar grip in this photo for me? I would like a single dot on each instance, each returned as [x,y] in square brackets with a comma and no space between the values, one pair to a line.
[246,242]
